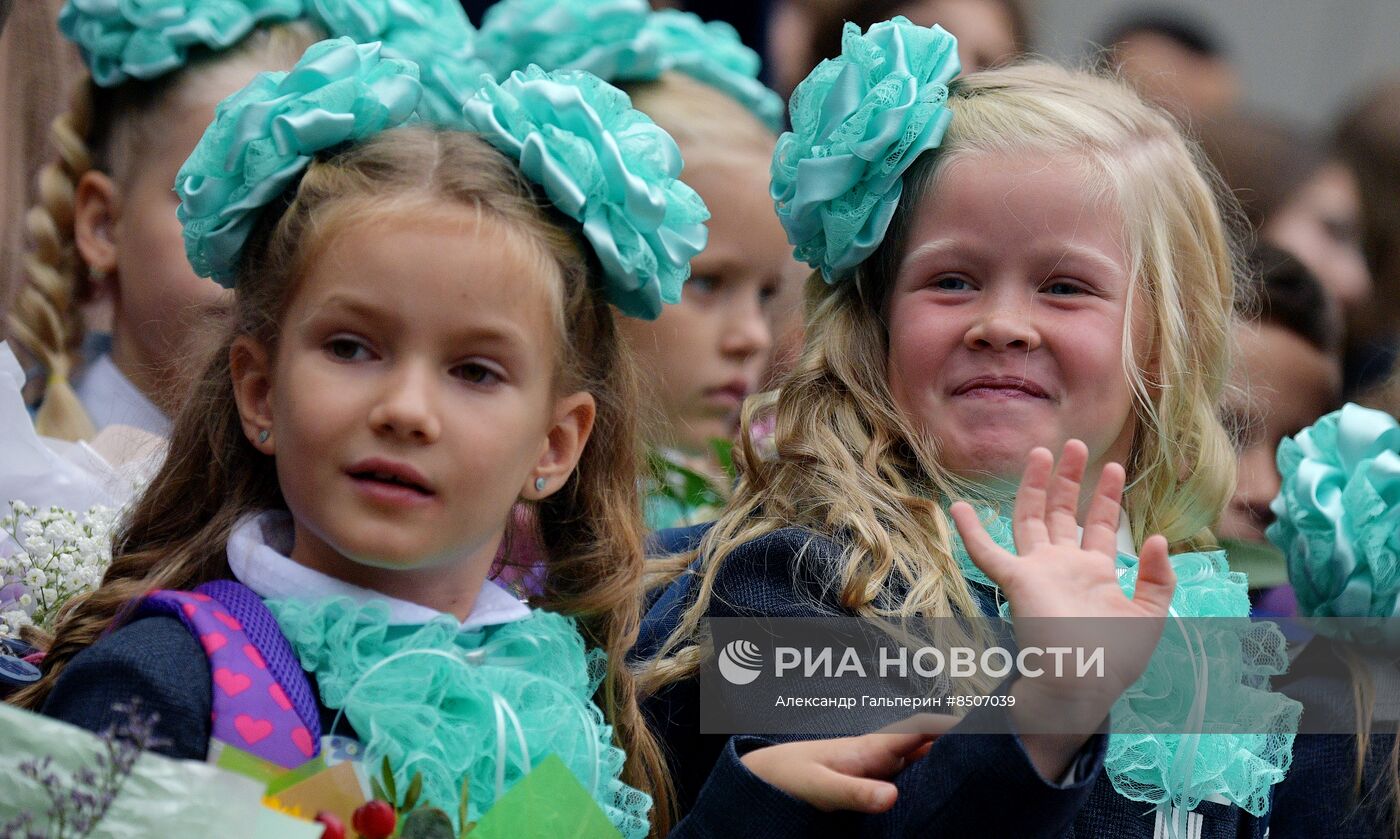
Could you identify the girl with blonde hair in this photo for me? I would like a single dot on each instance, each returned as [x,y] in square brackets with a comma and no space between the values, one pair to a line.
[1016,262]
[104,230]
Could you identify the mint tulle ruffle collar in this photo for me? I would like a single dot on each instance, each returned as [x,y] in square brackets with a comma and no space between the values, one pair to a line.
[478,706]
[1226,664]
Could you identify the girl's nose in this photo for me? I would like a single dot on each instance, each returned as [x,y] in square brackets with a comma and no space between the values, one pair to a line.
[747,329]
[1003,325]
[407,408]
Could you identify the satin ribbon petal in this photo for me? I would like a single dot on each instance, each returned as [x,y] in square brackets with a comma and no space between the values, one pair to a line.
[608,167]
[265,135]
[859,121]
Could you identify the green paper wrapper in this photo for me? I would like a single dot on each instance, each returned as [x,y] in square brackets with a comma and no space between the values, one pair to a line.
[549,803]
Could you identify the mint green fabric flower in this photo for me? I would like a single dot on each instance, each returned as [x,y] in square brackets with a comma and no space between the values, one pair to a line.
[712,53]
[1182,769]
[606,165]
[623,41]
[603,37]
[859,121]
[265,135]
[1338,519]
[480,707]
[434,34]
[143,39]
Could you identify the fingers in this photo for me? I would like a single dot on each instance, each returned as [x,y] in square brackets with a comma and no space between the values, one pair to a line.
[1101,522]
[1028,516]
[986,554]
[1156,580]
[1062,501]
[830,790]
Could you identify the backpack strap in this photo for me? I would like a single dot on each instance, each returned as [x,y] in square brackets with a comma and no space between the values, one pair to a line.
[262,700]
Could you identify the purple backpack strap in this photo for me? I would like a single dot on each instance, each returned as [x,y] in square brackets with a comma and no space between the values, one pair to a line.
[263,703]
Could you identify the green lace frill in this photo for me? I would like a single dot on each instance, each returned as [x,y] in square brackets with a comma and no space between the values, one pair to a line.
[1232,659]
[481,707]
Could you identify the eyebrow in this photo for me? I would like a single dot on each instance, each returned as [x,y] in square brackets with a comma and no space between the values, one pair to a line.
[491,333]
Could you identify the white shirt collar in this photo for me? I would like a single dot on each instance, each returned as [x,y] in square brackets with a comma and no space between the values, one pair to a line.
[1125,535]
[111,399]
[257,555]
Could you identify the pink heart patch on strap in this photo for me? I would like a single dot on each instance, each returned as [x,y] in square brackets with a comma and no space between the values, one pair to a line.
[230,682]
[189,609]
[213,642]
[301,738]
[228,620]
[279,696]
[251,730]
[254,656]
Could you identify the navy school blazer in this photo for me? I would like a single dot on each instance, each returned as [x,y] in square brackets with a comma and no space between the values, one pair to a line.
[969,785]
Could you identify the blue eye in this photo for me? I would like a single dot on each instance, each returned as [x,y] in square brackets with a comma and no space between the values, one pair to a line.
[951,283]
[1063,288]
[474,373]
[346,349]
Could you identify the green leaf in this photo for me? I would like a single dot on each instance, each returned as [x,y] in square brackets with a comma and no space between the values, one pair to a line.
[389,787]
[462,808]
[415,788]
[377,791]
[427,823]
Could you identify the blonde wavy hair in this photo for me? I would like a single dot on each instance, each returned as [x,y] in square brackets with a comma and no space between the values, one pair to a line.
[852,468]
[591,529]
[105,129]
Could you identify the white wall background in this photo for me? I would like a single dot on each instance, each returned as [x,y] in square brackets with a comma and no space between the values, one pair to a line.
[1302,59]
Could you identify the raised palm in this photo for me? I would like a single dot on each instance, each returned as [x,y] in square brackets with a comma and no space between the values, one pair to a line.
[1057,573]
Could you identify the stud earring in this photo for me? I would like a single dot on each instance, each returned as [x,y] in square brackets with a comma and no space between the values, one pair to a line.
[263,435]
[539,484]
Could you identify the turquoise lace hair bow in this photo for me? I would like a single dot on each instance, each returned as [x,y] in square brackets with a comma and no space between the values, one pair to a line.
[1203,675]
[143,39]
[435,34]
[265,135]
[624,41]
[1338,522]
[606,165]
[859,121]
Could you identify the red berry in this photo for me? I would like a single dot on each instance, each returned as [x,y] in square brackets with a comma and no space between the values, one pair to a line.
[374,820]
[334,827]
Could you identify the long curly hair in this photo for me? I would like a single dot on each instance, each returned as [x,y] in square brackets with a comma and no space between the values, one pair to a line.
[591,528]
[852,468]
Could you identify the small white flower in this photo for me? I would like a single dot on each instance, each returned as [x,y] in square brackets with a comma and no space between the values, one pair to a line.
[36,578]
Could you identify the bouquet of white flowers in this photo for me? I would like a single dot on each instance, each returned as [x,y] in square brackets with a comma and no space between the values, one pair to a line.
[53,555]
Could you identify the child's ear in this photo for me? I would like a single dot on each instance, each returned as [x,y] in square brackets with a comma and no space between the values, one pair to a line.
[573,422]
[250,366]
[96,207]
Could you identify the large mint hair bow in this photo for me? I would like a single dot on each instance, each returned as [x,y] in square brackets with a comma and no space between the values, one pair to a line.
[143,39]
[264,136]
[859,121]
[606,165]
[1339,521]
[624,41]
[434,34]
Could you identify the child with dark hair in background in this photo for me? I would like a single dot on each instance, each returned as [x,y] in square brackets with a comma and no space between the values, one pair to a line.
[1288,373]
